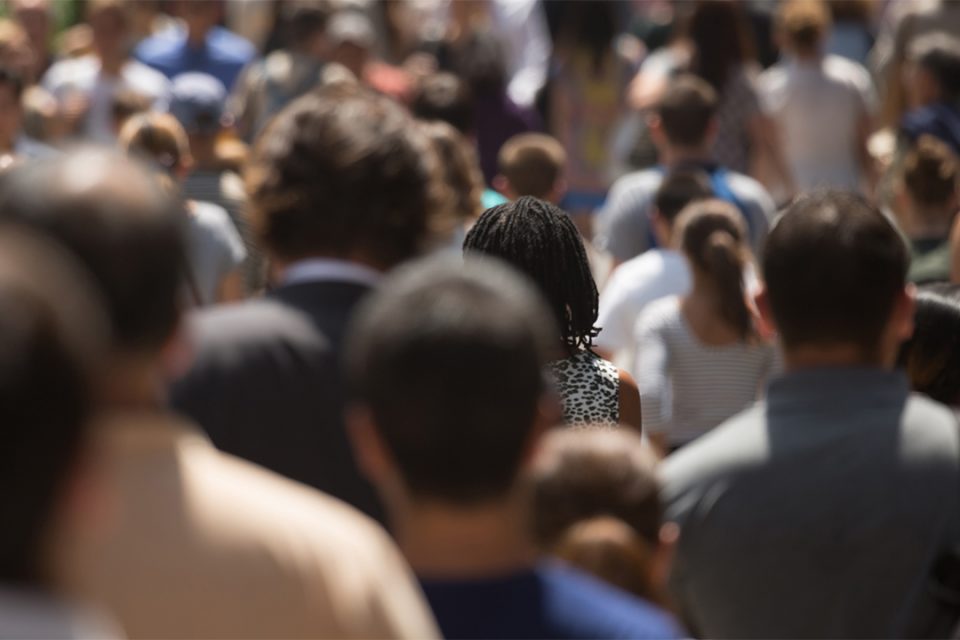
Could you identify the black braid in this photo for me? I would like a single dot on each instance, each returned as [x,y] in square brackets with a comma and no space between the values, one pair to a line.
[540,240]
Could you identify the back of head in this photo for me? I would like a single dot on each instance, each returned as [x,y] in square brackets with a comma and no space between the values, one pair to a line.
[120,224]
[540,240]
[305,20]
[613,551]
[939,54]
[156,139]
[686,110]
[460,170]
[578,475]
[52,338]
[930,173]
[803,24]
[533,163]
[714,239]
[341,172]
[931,357]
[721,37]
[448,360]
[680,188]
[833,266]
[479,58]
[444,96]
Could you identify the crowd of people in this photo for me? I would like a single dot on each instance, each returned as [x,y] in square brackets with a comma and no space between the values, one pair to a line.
[480,319]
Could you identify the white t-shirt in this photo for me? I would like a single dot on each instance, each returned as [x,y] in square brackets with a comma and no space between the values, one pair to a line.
[215,248]
[84,76]
[632,286]
[818,108]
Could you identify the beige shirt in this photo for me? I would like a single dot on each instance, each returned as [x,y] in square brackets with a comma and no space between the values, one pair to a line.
[205,545]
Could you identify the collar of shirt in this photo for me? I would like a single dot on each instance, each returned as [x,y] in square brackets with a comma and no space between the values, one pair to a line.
[828,388]
[330,270]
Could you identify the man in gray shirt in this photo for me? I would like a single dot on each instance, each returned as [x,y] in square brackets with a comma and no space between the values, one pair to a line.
[683,129]
[822,511]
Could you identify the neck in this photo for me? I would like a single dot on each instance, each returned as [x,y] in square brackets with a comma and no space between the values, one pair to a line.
[446,542]
[831,356]
[196,38]
[111,64]
[134,381]
[929,224]
[204,151]
[673,155]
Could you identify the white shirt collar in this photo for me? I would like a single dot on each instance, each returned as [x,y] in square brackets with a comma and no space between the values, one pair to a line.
[330,269]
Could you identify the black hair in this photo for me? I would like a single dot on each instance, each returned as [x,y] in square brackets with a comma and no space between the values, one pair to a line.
[123,226]
[448,359]
[679,188]
[444,96]
[52,339]
[12,79]
[939,53]
[540,240]
[834,266]
[931,358]
[479,60]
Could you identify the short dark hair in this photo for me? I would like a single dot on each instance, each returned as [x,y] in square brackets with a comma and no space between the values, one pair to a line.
[686,110]
[444,96]
[303,20]
[540,240]
[679,188]
[343,169]
[930,173]
[12,79]
[52,339]
[120,223]
[834,266]
[931,357]
[804,23]
[449,361]
[939,53]
[532,163]
[578,475]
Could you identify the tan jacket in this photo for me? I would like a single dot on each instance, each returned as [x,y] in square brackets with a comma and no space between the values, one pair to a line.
[201,544]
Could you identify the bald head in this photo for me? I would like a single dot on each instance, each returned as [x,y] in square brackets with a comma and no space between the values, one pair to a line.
[121,225]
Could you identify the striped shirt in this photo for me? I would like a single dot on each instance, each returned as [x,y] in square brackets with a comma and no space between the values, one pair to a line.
[687,387]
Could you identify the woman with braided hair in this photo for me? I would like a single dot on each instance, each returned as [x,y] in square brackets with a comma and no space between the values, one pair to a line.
[540,240]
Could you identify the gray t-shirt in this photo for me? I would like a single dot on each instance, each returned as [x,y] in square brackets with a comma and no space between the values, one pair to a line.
[817,514]
[214,248]
[623,225]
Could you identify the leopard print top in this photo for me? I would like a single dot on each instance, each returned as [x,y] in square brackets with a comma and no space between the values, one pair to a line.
[589,387]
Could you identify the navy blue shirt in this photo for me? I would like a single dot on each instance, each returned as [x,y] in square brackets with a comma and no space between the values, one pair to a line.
[223,55]
[549,601]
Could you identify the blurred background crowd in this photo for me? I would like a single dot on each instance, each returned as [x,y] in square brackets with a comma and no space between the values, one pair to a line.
[480,318]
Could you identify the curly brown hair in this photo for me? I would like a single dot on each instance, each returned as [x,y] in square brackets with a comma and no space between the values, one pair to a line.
[340,171]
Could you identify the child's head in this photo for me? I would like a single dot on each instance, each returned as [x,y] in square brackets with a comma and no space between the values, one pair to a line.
[596,504]
[532,164]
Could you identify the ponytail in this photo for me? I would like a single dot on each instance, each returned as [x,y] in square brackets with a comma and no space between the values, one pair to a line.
[713,238]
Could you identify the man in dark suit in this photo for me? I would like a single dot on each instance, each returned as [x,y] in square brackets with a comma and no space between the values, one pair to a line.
[342,188]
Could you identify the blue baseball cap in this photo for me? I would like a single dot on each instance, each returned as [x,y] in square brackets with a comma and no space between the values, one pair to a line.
[198,102]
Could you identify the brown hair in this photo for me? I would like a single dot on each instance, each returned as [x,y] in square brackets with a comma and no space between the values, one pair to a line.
[157,139]
[596,503]
[686,110]
[713,237]
[459,169]
[343,169]
[930,172]
[720,32]
[532,163]
[613,551]
[804,23]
